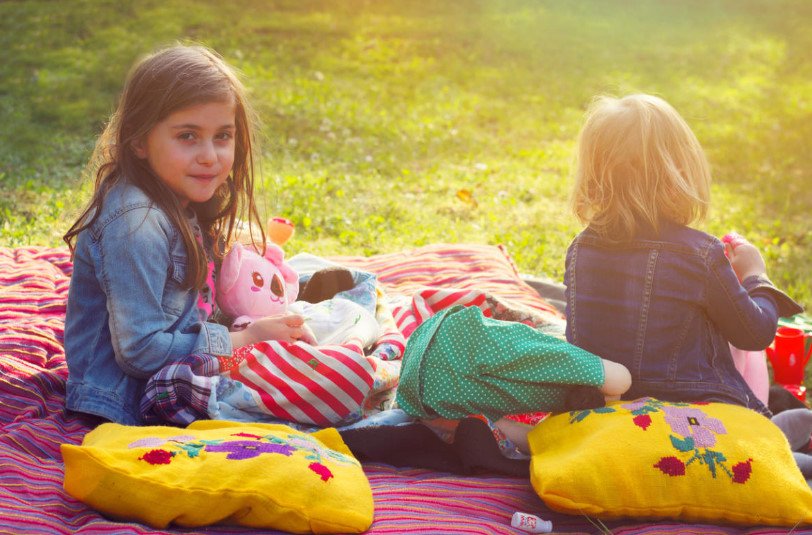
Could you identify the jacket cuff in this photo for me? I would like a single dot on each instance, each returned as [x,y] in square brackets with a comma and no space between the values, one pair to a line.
[218,339]
[760,285]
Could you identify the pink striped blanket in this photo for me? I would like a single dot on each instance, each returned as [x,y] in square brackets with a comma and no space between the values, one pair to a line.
[33,289]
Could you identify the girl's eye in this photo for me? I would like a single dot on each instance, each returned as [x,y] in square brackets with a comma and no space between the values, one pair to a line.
[259,282]
[225,136]
[277,288]
[186,136]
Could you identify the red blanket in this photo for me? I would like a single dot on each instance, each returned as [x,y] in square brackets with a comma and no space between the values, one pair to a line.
[33,289]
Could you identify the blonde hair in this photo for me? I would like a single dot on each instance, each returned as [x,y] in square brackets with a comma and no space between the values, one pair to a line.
[638,164]
[168,80]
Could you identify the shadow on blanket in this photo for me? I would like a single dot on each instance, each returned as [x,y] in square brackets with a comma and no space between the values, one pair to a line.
[474,450]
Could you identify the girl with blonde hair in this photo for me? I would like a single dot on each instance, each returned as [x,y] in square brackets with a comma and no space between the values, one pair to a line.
[646,290]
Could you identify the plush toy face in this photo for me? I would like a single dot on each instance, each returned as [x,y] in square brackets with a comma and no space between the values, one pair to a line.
[250,286]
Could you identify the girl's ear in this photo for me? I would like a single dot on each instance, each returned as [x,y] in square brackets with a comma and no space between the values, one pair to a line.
[140,149]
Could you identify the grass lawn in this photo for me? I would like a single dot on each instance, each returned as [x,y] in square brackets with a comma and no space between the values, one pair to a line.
[392,124]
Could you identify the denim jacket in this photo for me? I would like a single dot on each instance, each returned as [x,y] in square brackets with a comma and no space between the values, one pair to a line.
[665,306]
[127,313]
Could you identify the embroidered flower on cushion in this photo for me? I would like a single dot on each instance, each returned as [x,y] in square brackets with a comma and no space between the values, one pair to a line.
[640,409]
[694,433]
[316,452]
[156,442]
[248,449]
[694,424]
[671,466]
[697,431]
[323,472]
[643,421]
[187,443]
[637,404]
[247,435]
[742,471]
[577,416]
[244,449]
[643,408]
[157,456]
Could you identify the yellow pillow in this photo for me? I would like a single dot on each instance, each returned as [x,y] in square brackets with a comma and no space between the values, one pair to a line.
[652,459]
[257,475]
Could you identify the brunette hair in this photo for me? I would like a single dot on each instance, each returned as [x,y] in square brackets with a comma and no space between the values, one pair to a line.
[160,84]
[638,164]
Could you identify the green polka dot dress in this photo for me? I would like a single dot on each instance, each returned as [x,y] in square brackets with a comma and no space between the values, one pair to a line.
[458,363]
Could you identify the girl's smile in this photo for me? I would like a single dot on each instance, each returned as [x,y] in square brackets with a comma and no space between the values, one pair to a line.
[192,149]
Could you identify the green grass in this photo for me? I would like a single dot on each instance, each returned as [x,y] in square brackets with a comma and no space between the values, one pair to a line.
[380,117]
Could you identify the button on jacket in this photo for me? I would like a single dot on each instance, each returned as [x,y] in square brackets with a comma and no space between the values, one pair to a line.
[665,306]
[128,314]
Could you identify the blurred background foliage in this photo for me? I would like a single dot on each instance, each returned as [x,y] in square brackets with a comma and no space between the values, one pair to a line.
[392,124]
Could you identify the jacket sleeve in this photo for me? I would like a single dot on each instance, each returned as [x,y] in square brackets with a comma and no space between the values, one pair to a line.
[747,313]
[144,298]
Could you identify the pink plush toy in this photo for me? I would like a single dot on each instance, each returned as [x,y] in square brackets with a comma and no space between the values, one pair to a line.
[250,286]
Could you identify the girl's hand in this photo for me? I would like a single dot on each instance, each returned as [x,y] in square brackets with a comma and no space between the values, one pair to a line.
[283,328]
[745,258]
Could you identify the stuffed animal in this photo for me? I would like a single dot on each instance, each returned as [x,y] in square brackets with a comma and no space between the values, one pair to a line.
[251,286]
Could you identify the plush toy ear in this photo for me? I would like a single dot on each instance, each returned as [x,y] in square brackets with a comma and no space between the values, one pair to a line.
[230,269]
[276,256]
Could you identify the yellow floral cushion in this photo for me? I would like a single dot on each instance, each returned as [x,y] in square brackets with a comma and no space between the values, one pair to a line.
[257,475]
[652,459]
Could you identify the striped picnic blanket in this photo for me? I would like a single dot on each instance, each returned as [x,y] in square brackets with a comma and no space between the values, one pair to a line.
[33,289]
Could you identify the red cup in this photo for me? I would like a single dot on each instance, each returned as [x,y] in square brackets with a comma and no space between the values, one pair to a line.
[787,356]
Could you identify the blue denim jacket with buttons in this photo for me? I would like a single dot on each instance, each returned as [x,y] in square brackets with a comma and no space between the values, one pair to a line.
[128,314]
[666,305]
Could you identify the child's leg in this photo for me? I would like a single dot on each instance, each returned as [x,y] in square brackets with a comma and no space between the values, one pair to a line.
[617,381]
[516,432]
